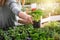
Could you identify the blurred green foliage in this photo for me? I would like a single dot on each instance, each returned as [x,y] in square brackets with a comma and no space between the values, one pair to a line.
[50,32]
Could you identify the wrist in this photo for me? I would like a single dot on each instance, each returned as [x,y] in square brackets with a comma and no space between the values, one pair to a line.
[22,15]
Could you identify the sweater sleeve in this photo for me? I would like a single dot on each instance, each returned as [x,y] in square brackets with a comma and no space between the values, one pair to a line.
[14,6]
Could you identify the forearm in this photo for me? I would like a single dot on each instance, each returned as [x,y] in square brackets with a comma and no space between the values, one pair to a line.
[13,5]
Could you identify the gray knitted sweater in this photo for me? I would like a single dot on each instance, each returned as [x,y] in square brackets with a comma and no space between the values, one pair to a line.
[7,14]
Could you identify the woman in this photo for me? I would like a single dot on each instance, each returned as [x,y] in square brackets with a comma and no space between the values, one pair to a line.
[8,10]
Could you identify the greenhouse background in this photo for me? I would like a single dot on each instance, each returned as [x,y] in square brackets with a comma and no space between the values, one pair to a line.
[46,5]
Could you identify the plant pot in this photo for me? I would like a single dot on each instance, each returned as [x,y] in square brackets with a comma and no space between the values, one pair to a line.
[36,24]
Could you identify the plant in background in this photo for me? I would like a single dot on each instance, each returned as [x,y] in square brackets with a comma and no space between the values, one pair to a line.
[54,29]
[36,15]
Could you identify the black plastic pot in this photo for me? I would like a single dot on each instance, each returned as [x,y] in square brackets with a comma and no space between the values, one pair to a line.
[36,24]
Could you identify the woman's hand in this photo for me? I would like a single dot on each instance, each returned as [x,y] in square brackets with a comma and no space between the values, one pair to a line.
[26,18]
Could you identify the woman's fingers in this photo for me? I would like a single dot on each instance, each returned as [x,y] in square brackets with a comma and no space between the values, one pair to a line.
[30,19]
[27,18]
[26,21]
[22,21]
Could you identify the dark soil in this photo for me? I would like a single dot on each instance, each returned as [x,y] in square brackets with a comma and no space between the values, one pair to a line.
[36,24]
